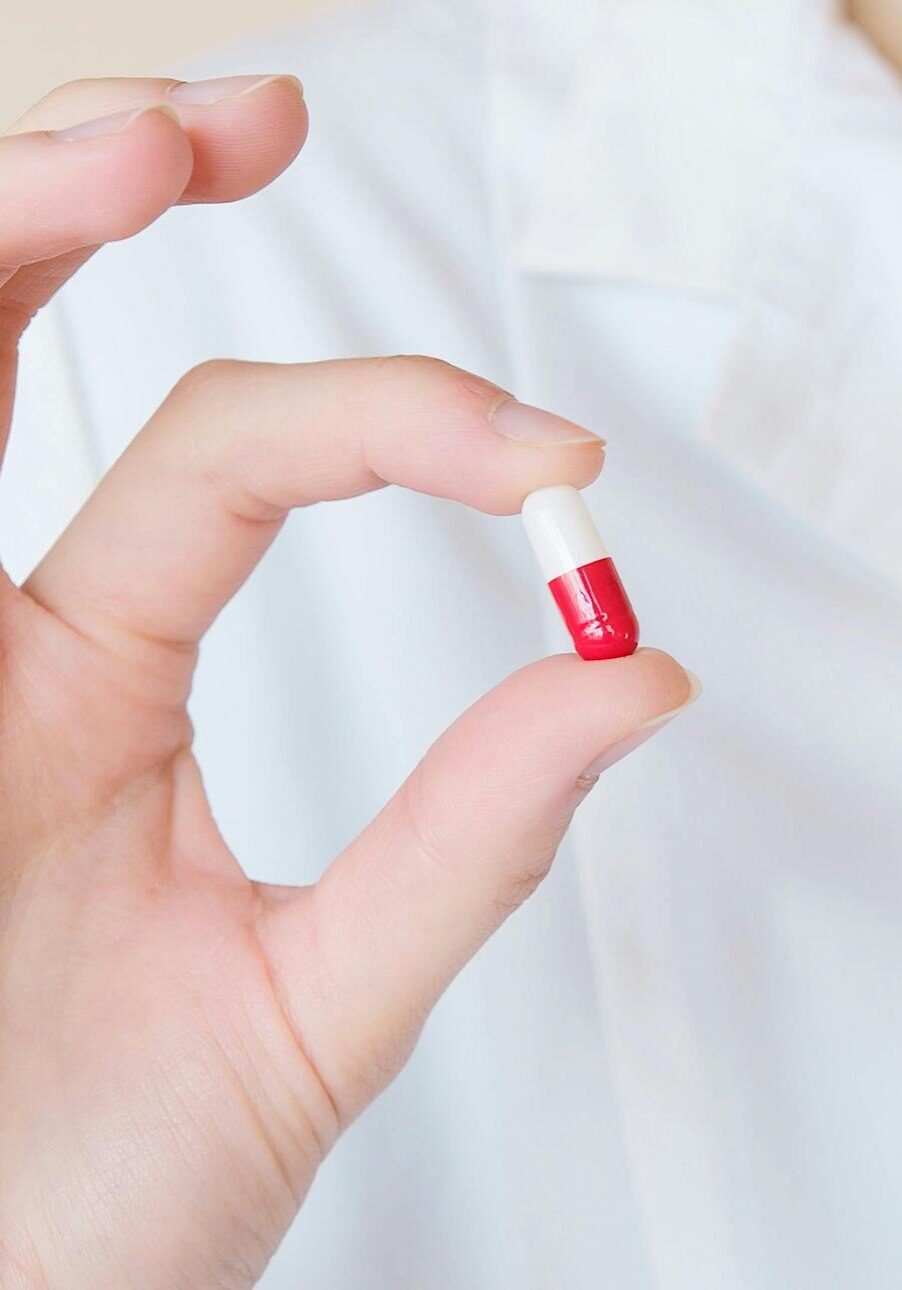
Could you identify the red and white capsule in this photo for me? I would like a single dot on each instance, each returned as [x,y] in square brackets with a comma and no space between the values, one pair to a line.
[580,573]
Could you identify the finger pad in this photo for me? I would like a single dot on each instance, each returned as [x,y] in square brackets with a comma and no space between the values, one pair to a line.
[553,714]
[71,195]
[237,152]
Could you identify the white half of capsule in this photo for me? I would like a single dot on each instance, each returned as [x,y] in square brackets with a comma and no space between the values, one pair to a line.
[561,530]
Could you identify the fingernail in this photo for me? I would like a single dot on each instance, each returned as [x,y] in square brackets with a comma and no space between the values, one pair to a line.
[225,87]
[639,736]
[106,125]
[523,422]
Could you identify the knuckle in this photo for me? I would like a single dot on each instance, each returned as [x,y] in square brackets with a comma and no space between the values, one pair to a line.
[210,370]
[203,408]
[423,829]
[524,881]
[438,378]
[206,379]
[372,1061]
[398,365]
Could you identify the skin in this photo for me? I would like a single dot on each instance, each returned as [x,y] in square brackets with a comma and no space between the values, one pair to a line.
[882,21]
[181,1046]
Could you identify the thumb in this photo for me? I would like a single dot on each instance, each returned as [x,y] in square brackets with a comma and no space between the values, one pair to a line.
[466,839]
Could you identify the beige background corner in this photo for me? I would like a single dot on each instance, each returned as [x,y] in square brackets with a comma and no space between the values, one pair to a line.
[58,40]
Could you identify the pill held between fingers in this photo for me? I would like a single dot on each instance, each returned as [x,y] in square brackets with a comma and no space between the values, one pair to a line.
[580,574]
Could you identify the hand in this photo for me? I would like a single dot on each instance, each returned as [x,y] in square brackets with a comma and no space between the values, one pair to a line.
[181,1046]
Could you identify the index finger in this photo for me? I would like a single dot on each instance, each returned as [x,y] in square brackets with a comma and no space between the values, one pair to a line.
[96,161]
[244,130]
[190,507]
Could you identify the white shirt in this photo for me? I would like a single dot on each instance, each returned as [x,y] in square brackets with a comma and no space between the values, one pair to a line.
[679,1066]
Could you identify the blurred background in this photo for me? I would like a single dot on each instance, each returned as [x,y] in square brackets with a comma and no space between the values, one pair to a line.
[58,40]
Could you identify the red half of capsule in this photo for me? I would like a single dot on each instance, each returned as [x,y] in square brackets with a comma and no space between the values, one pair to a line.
[597,611]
